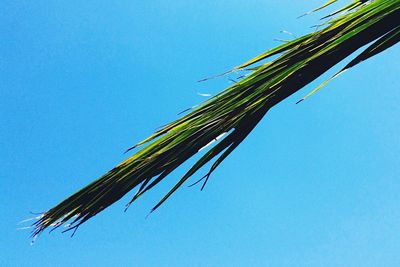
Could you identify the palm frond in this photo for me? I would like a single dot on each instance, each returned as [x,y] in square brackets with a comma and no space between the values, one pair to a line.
[232,114]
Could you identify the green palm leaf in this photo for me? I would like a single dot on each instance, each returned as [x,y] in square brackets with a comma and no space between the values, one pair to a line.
[223,122]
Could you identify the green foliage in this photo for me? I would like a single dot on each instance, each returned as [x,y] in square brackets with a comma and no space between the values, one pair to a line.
[225,120]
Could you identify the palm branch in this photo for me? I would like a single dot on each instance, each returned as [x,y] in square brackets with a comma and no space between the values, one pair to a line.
[220,124]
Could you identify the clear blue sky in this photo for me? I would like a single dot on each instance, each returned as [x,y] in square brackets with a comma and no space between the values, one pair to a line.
[316,184]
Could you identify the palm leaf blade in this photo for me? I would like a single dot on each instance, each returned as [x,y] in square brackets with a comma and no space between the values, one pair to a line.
[235,111]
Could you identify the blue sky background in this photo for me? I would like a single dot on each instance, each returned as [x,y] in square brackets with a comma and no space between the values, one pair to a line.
[316,184]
